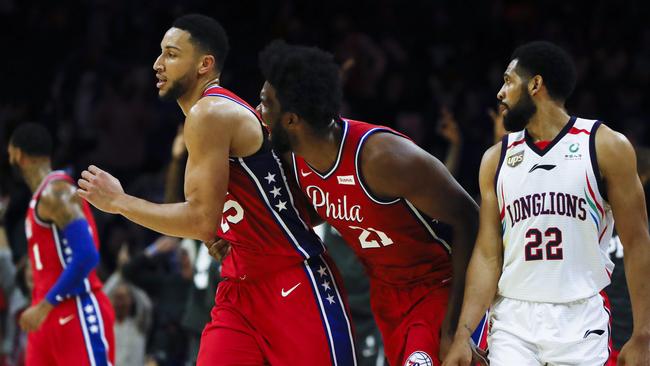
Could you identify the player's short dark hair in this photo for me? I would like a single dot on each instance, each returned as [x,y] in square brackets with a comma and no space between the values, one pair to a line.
[552,63]
[207,34]
[32,139]
[306,79]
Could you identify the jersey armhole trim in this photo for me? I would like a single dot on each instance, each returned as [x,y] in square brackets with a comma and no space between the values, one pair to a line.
[357,163]
[502,156]
[594,160]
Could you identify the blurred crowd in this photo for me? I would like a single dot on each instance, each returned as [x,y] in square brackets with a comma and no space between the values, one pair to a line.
[430,69]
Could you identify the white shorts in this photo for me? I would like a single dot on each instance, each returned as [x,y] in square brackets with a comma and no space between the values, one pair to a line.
[532,333]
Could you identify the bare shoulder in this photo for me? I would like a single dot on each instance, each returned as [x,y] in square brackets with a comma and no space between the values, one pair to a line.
[394,166]
[614,152]
[491,157]
[59,203]
[386,150]
[225,121]
[611,141]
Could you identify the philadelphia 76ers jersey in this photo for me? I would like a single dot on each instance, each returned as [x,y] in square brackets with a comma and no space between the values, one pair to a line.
[556,222]
[264,221]
[398,244]
[49,251]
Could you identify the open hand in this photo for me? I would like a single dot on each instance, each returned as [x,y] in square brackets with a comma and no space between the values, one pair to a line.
[101,189]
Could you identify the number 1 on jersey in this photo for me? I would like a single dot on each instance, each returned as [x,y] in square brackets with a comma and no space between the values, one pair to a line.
[37,258]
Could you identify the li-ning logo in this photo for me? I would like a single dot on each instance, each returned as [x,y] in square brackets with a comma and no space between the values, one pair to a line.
[346,179]
[515,159]
[541,166]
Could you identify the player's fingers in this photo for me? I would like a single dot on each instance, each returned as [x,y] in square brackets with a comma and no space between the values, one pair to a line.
[83,184]
[87,175]
[93,169]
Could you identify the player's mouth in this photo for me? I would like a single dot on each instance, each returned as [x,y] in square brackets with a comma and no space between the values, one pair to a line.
[161,81]
[503,108]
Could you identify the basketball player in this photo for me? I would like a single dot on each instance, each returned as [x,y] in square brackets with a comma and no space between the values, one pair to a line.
[396,205]
[70,320]
[280,300]
[549,194]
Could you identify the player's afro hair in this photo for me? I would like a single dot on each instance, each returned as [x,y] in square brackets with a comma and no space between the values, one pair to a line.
[552,63]
[307,81]
[207,34]
[33,139]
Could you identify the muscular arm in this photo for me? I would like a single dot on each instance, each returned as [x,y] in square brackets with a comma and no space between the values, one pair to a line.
[392,166]
[60,204]
[208,132]
[617,162]
[485,266]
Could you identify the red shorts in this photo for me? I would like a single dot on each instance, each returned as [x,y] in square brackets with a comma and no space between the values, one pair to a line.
[410,319]
[298,315]
[78,331]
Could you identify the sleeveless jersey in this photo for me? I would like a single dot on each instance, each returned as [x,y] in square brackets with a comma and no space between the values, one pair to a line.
[263,219]
[398,244]
[48,250]
[556,222]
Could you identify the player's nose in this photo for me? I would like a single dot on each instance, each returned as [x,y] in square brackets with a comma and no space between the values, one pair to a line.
[501,95]
[157,65]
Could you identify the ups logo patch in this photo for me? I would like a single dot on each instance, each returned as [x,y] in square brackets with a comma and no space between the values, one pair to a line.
[515,159]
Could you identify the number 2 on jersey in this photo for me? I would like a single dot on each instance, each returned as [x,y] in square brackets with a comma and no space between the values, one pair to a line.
[367,242]
[534,252]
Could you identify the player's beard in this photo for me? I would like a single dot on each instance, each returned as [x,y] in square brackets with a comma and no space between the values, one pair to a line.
[518,116]
[16,172]
[280,138]
[178,88]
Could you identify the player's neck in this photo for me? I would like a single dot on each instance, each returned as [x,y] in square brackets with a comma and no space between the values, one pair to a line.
[187,100]
[547,122]
[35,173]
[320,150]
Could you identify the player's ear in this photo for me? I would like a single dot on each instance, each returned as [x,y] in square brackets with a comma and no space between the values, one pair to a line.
[289,119]
[207,63]
[535,84]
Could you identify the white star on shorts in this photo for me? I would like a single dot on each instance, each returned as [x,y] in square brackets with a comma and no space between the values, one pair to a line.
[270,178]
[275,191]
[330,298]
[326,285]
[282,205]
[322,271]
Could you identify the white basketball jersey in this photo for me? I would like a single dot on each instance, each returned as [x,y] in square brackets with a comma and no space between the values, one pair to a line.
[556,224]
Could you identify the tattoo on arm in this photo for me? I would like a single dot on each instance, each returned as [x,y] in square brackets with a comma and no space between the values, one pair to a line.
[60,204]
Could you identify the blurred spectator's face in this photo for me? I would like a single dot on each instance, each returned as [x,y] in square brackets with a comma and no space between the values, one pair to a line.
[176,67]
[515,100]
[271,112]
[122,301]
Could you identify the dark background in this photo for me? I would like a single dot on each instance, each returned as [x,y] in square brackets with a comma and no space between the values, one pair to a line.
[84,69]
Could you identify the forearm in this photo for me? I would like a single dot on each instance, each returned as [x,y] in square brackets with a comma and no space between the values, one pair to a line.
[173,219]
[637,272]
[464,239]
[481,287]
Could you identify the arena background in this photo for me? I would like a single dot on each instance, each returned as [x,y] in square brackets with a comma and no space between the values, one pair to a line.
[84,69]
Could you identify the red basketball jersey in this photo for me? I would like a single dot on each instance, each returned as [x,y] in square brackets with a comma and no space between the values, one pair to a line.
[263,219]
[398,244]
[48,251]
